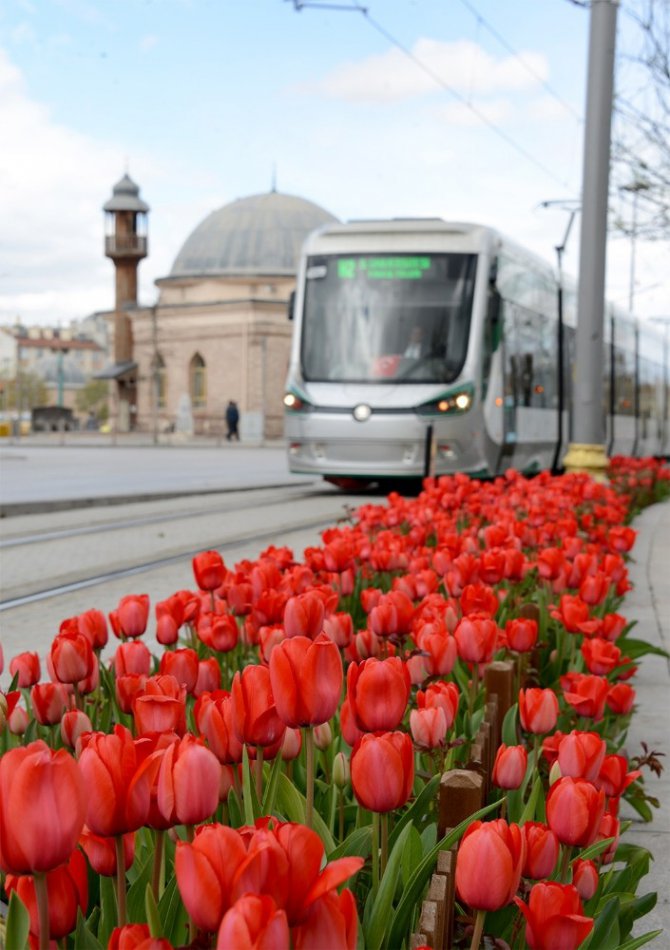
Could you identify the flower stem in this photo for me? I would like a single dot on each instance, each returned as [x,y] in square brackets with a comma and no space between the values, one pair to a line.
[309,791]
[156,880]
[120,880]
[42,895]
[479,929]
[565,864]
[375,851]
[385,842]
[258,770]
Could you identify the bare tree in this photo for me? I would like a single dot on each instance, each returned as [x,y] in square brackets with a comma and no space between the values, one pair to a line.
[641,136]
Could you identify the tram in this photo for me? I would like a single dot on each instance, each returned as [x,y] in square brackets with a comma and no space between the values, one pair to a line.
[430,347]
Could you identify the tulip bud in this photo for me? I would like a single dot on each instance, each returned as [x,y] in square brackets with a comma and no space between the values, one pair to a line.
[341,770]
[555,773]
[291,745]
[72,725]
[323,736]
[18,721]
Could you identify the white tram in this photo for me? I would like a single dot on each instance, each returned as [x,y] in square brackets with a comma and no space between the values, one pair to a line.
[423,346]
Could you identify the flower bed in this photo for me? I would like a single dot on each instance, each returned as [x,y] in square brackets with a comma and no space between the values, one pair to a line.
[413,736]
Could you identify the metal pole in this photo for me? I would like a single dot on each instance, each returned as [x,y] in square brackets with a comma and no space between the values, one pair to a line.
[155,381]
[587,451]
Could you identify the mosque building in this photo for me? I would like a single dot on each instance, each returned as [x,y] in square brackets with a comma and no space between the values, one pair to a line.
[219,329]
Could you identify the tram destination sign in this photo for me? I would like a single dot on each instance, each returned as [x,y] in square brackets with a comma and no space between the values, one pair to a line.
[406,267]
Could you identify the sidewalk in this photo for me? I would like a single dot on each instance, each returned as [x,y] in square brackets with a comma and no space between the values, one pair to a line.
[649,604]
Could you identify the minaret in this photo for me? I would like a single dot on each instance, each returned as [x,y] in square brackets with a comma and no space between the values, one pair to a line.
[126,244]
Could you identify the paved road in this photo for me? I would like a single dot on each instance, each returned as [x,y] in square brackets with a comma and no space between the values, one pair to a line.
[41,473]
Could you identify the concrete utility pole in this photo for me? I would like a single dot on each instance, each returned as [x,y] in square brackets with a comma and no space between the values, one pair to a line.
[587,451]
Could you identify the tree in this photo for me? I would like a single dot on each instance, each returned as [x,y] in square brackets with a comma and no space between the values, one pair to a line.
[93,398]
[641,137]
[26,391]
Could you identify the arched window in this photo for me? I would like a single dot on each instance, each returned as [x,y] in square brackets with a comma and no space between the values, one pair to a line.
[198,382]
[159,380]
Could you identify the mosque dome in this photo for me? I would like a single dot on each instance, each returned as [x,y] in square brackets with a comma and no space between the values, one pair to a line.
[260,235]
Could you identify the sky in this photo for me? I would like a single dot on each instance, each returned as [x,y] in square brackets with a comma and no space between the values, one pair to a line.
[468,110]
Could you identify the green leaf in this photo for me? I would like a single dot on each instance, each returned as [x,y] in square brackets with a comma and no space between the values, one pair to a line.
[272,783]
[17,926]
[509,734]
[108,915]
[418,812]
[528,814]
[151,910]
[380,916]
[252,808]
[634,648]
[173,914]
[84,938]
[605,934]
[415,886]
[593,850]
[235,812]
[356,844]
[292,804]
[137,892]
[640,941]
[411,855]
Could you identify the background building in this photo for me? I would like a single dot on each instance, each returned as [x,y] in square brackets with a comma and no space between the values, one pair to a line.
[219,329]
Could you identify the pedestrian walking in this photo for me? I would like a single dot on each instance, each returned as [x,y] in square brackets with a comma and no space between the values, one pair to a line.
[232,420]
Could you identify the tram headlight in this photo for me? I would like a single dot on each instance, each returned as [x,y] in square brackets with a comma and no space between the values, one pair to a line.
[456,401]
[293,403]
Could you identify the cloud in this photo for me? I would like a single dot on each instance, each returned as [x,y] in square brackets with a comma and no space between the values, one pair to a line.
[463,66]
[476,113]
[148,42]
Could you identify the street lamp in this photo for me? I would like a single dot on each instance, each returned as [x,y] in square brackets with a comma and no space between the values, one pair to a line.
[635,187]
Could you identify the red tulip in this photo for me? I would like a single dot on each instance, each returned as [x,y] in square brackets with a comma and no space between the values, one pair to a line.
[428,727]
[209,570]
[330,922]
[542,847]
[306,677]
[49,702]
[392,615]
[131,616]
[382,771]
[620,698]
[183,665]
[218,631]
[73,724]
[585,878]
[521,634]
[209,677]
[136,937]
[108,764]
[538,710]
[476,637]
[205,871]
[614,776]
[42,808]
[378,691]
[213,716]
[156,712]
[255,718]
[498,847]
[101,852]
[339,627]
[67,890]
[442,695]
[586,694]
[188,782]
[479,600]
[581,754]
[574,809]
[128,688]
[600,656]
[304,615]
[27,665]
[510,766]
[72,657]
[254,923]
[554,917]
[132,657]
[93,625]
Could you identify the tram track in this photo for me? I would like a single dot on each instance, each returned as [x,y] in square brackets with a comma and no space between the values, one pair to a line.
[173,558]
[120,524]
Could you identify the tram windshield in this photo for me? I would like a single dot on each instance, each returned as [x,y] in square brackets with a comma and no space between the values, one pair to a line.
[387,317]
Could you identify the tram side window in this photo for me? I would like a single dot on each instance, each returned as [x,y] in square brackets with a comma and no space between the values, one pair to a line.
[624,382]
